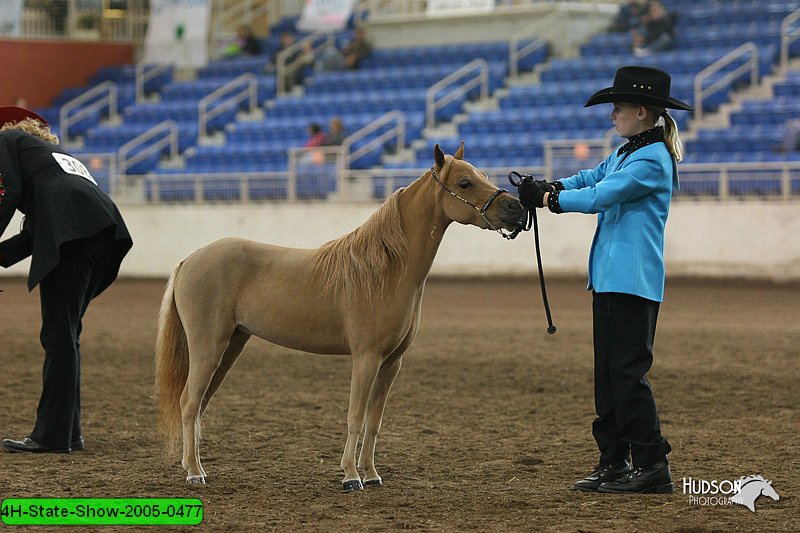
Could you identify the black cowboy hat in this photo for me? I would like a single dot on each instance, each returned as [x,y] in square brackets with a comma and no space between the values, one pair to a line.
[639,85]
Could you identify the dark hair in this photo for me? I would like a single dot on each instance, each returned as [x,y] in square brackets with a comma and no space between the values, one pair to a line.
[314,127]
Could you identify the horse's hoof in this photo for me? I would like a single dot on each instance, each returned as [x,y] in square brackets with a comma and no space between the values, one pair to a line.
[373,483]
[353,485]
[196,480]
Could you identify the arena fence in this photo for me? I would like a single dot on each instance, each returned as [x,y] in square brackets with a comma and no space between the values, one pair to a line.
[317,175]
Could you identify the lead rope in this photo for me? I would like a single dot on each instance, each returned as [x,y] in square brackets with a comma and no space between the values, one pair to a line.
[531,217]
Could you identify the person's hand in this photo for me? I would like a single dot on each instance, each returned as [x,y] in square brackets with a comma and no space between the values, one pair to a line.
[531,193]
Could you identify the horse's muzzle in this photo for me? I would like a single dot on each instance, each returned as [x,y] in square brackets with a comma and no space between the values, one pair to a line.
[511,212]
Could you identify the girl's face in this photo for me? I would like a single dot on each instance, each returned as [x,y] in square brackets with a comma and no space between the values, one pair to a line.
[629,119]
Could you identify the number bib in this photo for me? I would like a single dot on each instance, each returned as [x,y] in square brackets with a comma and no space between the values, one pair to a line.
[70,165]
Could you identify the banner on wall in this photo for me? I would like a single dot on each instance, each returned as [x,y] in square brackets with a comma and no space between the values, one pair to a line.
[177,32]
[454,7]
[10,18]
[325,15]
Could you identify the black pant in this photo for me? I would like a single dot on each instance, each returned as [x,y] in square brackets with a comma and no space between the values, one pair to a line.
[65,294]
[627,421]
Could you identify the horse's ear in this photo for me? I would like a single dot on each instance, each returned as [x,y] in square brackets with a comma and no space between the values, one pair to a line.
[438,156]
[460,152]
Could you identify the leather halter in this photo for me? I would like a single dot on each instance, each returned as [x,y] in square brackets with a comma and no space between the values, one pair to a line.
[481,210]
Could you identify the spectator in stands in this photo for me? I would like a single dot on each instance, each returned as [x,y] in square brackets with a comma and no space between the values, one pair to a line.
[791,136]
[656,31]
[295,70]
[630,192]
[245,43]
[628,16]
[76,239]
[316,137]
[335,135]
[349,57]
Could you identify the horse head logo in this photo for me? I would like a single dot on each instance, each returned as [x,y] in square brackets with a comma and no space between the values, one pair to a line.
[751,487]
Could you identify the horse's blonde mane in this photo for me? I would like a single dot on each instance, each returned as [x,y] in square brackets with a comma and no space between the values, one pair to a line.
[364,260]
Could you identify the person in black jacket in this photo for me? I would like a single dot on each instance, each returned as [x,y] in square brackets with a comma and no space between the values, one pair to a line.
[77,239]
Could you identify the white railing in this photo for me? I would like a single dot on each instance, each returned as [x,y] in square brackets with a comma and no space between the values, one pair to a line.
[124,158]
[316,42]
[752,65]
[789,34]
[726,174]
[339,158]
[433,102]
[551,25]
[241,181]
[707,181]
[397,132]
[145,72]
[247,86]
[573,152]
[108,98]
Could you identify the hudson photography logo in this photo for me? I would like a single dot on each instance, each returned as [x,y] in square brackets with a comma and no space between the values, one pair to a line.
[743,491]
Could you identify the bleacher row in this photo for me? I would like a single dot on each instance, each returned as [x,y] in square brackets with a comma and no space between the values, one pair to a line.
[510,136]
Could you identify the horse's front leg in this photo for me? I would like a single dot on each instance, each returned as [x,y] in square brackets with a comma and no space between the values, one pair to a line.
[365,368]
[377,403]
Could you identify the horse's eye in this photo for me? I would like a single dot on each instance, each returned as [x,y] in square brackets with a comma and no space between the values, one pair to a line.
[464,184]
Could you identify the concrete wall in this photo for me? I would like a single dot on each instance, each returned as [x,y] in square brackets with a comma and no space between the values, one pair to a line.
[40,70]
[752,239]
[577,23]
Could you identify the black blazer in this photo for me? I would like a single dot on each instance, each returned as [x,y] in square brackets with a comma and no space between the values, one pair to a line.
[60,200]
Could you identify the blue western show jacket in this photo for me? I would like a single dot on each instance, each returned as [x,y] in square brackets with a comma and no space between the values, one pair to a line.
[631,196]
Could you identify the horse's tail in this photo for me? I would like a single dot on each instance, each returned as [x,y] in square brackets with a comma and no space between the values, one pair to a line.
[172,365]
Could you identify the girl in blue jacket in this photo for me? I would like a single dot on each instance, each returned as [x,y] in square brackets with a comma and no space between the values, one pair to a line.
[630,192]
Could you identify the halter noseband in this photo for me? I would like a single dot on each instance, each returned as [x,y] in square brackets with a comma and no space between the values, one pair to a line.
[481,210]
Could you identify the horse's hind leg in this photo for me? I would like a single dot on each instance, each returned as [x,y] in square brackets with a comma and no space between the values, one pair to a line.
[232,352]
[375,407]
[365,368]
[204,358]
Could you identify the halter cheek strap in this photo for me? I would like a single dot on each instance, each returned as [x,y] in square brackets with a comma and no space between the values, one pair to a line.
[481,210]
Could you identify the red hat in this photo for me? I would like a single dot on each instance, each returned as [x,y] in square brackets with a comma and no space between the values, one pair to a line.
[13,113]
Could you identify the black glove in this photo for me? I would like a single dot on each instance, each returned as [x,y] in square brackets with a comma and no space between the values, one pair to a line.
[531,193]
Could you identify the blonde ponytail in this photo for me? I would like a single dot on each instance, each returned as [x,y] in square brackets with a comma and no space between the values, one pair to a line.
[671,138]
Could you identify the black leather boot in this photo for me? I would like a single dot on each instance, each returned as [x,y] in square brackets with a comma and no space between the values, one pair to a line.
[601,474]
[652,479]
[27,445]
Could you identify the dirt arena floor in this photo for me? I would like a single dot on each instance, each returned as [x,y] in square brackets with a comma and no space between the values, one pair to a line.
[486,429]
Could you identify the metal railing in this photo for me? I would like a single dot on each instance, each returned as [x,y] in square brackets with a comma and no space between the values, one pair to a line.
[335,161]
[752,65]
[565,154]
[433,102]
[247,86]
[127,159]
[535,33]
[789,35]
[776,181]
[145,72]
[315,43]
[241,184]
[397,132]
[108,98]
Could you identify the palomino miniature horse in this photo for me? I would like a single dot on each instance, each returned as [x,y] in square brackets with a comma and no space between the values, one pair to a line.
[358,295]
